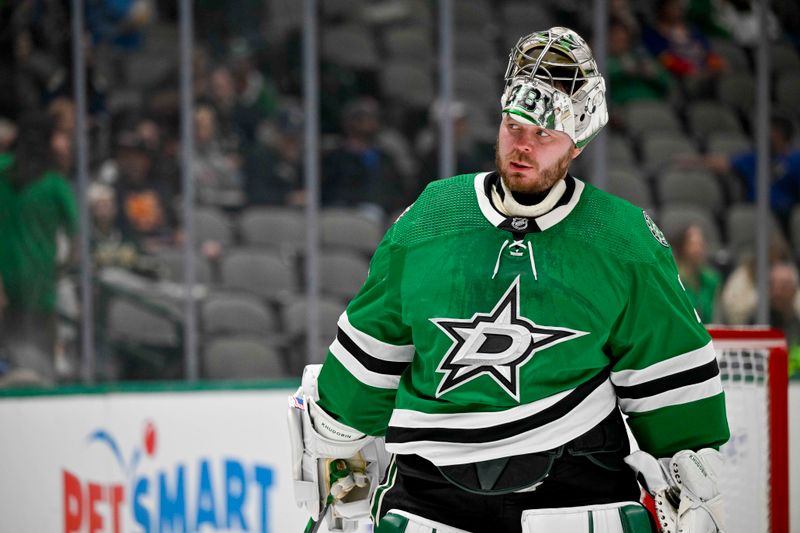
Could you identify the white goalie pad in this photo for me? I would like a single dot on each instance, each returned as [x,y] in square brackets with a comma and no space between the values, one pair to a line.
[332,463]
[685,489]
[412,523]
[618,517]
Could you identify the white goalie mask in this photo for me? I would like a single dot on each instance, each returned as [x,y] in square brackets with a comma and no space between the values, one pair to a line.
[552,81]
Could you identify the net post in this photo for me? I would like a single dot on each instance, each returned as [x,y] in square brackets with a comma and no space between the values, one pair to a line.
[779,438]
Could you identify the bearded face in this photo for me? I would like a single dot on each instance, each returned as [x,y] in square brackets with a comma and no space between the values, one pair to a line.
[531,159]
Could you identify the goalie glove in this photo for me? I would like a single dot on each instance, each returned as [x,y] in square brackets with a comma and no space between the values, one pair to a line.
[335,467]
[685,489]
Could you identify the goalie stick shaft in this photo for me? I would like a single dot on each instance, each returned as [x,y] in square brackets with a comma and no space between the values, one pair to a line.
[313,526]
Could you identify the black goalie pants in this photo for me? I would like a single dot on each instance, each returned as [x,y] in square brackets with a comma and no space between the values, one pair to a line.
[574,479]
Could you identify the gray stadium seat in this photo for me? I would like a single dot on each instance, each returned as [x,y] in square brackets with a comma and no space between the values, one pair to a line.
[284,16]
[473,84]
[740,225]
[475,49]
[620,151]
[660,113]
[706,117]
[349,45]
[783,58]
[787,89]
[408,84]
[257,272]
[242,358]
[733,54]
[279,227]
[737,90]
[472,15]
[172,260]
[237,313]
[410,45]
[342,273]
[727,142]
[521,18]
[630,186]
[212,225]
[690,187]
[132,322]
[347,228]
[296,320]
[674,218]
[659,149]
[349,10]
[532,15]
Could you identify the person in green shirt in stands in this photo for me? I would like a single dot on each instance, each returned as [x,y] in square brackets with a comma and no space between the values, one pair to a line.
[36,202]
[701,281]
[633,73]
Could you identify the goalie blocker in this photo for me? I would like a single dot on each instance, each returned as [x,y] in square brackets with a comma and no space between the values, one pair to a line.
[335,468]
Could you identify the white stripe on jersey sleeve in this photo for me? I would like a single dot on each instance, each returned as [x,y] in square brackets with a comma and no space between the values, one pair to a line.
[667,367]
[375,347]
[586,415]
[365,376]
[690,393]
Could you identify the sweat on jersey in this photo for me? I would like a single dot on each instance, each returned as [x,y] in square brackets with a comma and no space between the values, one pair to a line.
[478,336]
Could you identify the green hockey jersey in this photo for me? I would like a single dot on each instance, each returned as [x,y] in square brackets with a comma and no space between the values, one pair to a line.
[478,335]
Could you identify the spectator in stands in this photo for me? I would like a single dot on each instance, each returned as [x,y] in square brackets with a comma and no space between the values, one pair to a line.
[145,212]
[273,168]
[427,145]
[741,20]
[682,49]
[257,96]
[621,12]
[633,74]
[36,203]
[119,22]
[8,135]
[110,247]
[357,173]
[784,308]
[701,281]
[784,189]
[62,114]
[222,89]
[739,296]
[216,170]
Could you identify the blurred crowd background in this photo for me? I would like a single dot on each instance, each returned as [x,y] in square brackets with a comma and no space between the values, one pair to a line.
[681,144]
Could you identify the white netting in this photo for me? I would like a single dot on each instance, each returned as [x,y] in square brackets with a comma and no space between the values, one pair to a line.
[745,480]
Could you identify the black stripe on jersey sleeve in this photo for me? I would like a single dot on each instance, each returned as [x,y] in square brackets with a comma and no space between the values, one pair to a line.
[692,376]
[395,434]
[373,364]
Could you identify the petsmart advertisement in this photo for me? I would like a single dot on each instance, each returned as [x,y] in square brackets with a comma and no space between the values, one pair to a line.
[147,462]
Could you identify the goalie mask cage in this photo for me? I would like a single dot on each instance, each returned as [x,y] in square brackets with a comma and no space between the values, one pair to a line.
[755,481]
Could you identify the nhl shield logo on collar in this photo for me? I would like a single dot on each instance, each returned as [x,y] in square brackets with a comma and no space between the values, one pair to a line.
[519,223]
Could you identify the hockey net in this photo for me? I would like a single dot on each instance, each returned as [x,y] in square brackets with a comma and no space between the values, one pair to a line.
[755,485]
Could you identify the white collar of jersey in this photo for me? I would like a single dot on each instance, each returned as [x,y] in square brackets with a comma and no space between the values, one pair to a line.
[563,203]
[509,206]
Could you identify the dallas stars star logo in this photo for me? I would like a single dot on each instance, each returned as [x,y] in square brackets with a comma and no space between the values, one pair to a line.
[496,344]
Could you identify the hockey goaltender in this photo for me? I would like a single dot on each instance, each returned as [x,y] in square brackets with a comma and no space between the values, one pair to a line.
[478,380]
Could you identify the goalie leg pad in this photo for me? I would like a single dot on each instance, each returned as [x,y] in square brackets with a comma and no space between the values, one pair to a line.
[622,517]
[396,521]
